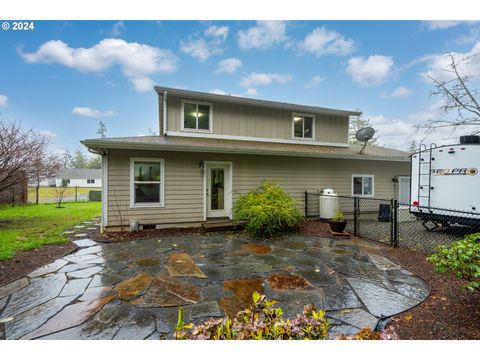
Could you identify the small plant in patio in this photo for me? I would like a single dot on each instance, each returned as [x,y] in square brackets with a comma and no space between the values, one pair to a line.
[461,259]
[268,210]
[261,321]
[338,222]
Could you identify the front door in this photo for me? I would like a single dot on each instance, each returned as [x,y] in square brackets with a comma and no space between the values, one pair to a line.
[218,193]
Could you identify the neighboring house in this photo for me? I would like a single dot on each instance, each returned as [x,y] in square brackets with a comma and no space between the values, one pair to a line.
[213,147]
[80,177]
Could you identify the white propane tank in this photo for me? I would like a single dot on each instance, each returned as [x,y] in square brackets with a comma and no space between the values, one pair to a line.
[328,204]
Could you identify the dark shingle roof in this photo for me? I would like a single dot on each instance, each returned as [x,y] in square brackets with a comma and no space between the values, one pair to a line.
[176,143]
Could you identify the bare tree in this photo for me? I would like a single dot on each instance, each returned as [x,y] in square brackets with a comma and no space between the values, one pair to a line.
[42,168]
[18,150]
[60,192]
[459,96]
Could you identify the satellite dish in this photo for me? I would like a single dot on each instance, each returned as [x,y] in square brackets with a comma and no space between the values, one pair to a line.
[363,135]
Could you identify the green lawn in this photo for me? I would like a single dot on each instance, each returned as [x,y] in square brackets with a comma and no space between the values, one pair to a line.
[32,226]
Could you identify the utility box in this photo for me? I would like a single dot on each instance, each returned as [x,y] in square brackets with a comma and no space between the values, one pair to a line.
[328,204]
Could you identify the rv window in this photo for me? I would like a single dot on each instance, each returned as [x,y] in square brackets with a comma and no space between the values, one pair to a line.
[362,185]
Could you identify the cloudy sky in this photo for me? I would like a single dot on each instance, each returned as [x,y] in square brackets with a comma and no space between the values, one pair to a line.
[63,77]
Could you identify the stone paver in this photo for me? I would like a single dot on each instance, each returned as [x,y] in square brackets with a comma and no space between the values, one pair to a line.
[132,289]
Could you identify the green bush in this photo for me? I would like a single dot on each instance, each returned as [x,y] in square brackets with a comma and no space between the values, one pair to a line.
[261,321]
[461,259]
[268,210]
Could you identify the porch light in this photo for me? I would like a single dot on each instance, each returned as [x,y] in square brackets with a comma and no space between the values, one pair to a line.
[201,164]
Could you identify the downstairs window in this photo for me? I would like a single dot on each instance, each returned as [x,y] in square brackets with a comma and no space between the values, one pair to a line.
[146,182]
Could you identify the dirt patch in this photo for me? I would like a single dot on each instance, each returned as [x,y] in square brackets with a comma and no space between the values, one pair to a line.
[287,282]
[449,312]
[315,227]
[24,262]
[119,236]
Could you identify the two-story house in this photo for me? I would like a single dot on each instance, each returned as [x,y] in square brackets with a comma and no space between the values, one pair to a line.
[213,147]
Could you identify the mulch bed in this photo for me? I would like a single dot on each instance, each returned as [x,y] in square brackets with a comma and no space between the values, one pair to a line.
[24,262]
[449,312]
[141,234]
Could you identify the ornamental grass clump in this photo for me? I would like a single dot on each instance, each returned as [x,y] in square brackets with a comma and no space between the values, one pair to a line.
[268,210]
[461,259]
[261,321]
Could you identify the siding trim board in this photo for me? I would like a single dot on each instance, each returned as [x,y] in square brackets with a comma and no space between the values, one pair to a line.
[294,140]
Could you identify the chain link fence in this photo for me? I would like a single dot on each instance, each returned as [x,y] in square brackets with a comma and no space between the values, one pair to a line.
[399,225]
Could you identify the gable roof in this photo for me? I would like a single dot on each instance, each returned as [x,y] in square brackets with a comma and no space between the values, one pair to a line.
[197,95]
[177,143]
[80,174]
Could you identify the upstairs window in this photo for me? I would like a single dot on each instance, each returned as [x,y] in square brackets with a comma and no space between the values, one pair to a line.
[196,116]
[303,126]
[362,185]
[90,181]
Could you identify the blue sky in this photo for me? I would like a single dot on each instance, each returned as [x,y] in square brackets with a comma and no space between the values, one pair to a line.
[63,77]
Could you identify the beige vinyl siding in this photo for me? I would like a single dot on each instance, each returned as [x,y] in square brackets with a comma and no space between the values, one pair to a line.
[184,192]
[242,120]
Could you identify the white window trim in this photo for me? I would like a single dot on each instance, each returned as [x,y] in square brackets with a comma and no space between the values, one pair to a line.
[160,204]
[293,127]
[373,184]
[210,122]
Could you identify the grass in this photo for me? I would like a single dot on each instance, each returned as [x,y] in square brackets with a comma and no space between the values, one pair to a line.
[32,226]
[50,192]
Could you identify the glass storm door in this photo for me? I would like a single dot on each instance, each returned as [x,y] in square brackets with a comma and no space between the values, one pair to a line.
[217,190]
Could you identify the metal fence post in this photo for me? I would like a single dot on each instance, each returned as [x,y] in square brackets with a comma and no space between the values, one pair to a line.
[306,203]
[76,193]
[395,224]
[355,217]
[392,235]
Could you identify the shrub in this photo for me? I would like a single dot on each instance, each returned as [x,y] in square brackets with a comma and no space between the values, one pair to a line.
[338,217]
[461,259]
[268,210]
[261,321]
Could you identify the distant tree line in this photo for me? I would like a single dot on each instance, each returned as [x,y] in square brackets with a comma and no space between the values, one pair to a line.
[79,160]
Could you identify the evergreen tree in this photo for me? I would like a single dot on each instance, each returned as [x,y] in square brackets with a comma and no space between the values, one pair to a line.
[102,129]
[79,160]
[413,148]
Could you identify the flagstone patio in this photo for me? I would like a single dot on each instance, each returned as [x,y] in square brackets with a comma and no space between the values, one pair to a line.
[132,289]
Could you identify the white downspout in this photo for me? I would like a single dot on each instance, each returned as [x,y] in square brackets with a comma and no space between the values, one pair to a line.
[165,112]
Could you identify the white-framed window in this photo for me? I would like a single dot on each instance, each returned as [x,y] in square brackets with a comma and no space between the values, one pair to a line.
[90,181]
[363,185]
[303,126]
[147,182]
[196,116]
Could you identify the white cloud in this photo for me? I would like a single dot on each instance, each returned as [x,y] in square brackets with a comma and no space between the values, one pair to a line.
[117,29]
[370,71]
[314,82]
[217,32]
[3,101]
[137,61]
[48,133]
[263,35]
[445,24]
[398,93]
[228,66]
[471,38]
[92,113]
[203,48]
[261,79]
[322,41]
[439,63]
[251,92]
